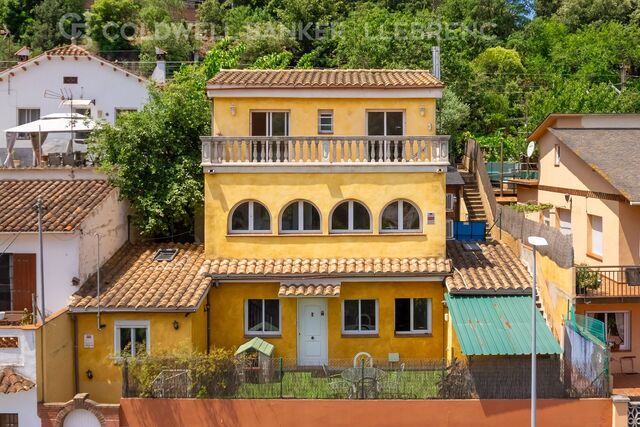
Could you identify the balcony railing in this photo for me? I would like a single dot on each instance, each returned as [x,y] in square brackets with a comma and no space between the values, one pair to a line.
[608,281]
[334,150]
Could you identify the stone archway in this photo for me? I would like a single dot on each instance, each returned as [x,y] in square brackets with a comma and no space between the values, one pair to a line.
[80,411]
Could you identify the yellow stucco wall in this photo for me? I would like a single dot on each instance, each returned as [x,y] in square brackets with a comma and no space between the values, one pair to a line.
[106,385]
[227,313]
[224,191]
[58,361]
[349,115]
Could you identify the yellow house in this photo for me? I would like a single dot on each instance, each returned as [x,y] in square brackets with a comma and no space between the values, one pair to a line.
[325,213]
[589,173]
[152,298]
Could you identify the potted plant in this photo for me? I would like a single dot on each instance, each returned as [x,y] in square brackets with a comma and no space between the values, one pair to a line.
[586,279]
[16,162]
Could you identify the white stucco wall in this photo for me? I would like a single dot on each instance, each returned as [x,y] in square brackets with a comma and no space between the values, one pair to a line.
[61,264]
[110,89]
[25,404]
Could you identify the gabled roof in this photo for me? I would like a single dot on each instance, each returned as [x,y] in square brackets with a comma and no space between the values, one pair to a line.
[132,280]
[324,79]
[234,268]
[67,203]
[12,382]
[68,51]
[613,153]
[492,269]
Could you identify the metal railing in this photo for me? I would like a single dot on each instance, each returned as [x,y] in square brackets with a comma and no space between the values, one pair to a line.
[608,281]
[425,150]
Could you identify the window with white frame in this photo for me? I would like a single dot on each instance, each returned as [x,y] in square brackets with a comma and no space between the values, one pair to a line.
[413,316]
[360,316]
[250,217]
[400,215]
[556,160]
[546,217]
[449,229]
[300,217]
[9,420]
[132,337]
[616,324]
[262,317]
[451,200]
[564,220]
[350,216]
[325,121]
[595,235]
[27,115]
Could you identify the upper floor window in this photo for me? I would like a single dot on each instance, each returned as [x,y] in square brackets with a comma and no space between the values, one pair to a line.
[27,115]
[300,217]
[350,216]
[595,247]
[250,217]
[70,80]
[400,215]
[132,337]
[451,201]
[556,160]
[325,121]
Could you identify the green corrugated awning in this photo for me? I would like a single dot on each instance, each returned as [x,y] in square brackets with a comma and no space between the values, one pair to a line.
[498,325]
[256,344]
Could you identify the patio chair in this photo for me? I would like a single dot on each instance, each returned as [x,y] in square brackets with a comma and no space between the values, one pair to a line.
[363,355]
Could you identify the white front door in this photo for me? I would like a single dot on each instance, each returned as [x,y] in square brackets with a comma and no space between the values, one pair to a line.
[312,331]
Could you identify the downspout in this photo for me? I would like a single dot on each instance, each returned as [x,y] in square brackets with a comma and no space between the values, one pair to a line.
[76,376]
[208,310]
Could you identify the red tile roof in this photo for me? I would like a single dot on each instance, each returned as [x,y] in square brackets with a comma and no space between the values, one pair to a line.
[67,203]
[12,382]
[68,50]
[323,79]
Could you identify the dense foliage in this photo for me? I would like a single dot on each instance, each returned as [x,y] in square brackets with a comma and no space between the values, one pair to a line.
[506,63]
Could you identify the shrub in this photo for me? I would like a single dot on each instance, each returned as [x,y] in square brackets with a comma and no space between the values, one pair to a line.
[587,279]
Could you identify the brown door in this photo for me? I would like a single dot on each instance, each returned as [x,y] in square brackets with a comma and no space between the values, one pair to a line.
[24,281]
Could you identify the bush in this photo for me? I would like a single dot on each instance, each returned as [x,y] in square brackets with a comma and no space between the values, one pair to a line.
[587,279]
[183,374]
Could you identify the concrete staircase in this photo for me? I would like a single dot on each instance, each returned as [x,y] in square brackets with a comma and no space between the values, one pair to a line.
[472,198]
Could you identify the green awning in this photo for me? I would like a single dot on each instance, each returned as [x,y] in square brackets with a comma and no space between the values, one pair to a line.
[498,325]
[256,344]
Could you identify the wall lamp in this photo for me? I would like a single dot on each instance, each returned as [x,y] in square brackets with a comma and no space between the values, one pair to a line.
[423,110]
[89,374]
[176,325]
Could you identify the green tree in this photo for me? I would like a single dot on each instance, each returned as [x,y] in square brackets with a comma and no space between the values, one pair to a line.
[575,13]
[113,24]
[273,61]
[17,16]
[48,19]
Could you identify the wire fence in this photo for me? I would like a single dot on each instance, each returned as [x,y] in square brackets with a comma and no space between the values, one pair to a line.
[279,378]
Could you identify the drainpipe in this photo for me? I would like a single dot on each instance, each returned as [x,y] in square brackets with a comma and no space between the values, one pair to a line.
[208,311]
[76,376]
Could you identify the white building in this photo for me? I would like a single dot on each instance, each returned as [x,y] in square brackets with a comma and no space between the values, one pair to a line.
[79,204]
[35,88]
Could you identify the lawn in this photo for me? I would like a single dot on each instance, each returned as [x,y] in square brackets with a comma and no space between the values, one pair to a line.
[314,385]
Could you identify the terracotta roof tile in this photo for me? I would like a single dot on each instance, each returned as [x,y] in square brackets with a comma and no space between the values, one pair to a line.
[68,50]
[12,382]
[494,268]
[67,203]
[133,280]
[322,79]
[233,267]
[307,290]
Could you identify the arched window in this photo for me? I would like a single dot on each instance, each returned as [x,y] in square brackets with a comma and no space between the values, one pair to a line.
[300,217]
[250,217]
[400,215]
[350,216]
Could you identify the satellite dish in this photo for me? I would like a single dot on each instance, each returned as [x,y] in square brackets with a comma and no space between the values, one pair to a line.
[530,148]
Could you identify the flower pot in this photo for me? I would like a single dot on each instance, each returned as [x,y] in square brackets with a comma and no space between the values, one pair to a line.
[17,163]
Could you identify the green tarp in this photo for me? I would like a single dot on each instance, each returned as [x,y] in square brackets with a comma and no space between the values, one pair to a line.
[498,325]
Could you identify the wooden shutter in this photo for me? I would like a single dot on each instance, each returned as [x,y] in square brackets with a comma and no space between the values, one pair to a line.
[24,281]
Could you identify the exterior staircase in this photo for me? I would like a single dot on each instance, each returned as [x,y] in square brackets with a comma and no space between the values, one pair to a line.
[472,198]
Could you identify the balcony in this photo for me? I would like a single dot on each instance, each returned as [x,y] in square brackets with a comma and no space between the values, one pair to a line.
[429,153]
[608,281]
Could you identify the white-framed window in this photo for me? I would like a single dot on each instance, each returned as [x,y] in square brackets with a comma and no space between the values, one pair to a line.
[350,217]
[27,115]
[249,217]
[556,158]
[546,217]
[595,235]
[269,123]
[401,215]
[325,121]
[132,337]
[262,317]
[300,217]
[413,316]
[449,229]
[451,201]
[617,327]
[360,316]
[564,220]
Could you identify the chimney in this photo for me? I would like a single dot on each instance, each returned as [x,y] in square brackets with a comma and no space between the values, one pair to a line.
[160,73]
[435,62]
[23,54]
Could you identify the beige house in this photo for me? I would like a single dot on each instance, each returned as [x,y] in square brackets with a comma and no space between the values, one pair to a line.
[590,174]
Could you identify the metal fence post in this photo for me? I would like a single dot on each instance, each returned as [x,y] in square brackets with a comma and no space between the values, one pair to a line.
[281,377]
[362,380]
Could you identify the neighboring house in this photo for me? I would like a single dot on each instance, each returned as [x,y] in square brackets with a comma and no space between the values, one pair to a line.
[454,201]
[78,205]
[153,298]
[90,85]
[325,213]
[590,174]
[18,395]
